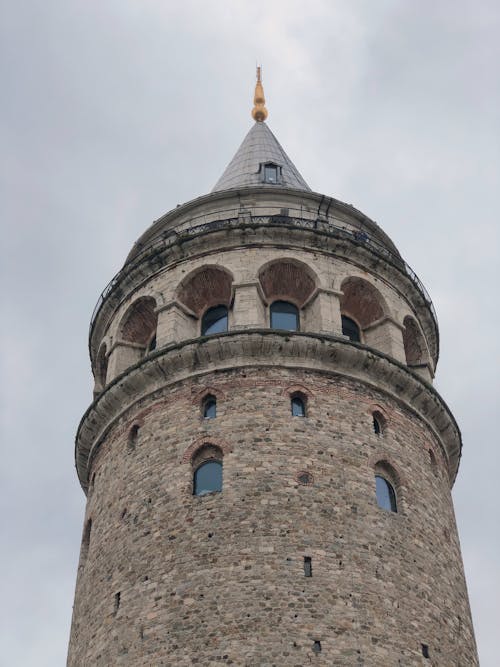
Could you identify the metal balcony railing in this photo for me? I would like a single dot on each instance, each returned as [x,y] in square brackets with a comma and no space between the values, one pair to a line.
[172,236]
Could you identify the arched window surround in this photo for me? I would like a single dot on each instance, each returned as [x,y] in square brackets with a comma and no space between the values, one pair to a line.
[207,470]
[363,303]
[205,287]
[288,279]
[190,453]
[298,391]
[382,467]
[209,406]
[378,413]
[139,322]
[298,404]
[379,423]
[385,493]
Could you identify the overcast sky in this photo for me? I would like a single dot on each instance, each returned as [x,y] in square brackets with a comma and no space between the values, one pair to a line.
[113,112]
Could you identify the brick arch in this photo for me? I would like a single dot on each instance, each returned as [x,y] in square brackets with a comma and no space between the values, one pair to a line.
[138,325]
[376,407]
[200,395]
[362,302]
[287,280]
[296,389]
[381,463]
[205,441]
[205,287]
[414,343]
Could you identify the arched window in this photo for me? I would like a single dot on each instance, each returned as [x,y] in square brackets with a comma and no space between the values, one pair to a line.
[433,462]
[214,321]
[85,542]
[379,422]
[133,435]
[386,496]
[285,316]
[210,407]
[350,329]
[298,406]
[207,478]
[207,470]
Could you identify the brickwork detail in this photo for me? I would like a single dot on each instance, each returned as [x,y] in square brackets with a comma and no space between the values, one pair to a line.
[201,578]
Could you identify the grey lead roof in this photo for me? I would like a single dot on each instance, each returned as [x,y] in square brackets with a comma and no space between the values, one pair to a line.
[258,147]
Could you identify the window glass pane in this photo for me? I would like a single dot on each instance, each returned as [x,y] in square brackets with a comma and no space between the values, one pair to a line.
[214,321]
[285,316]
[210,408]
[350,329]
[386,497]
[271,173]
[208,478]
[298,409]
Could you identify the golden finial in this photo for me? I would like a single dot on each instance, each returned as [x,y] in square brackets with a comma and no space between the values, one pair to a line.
[259,112]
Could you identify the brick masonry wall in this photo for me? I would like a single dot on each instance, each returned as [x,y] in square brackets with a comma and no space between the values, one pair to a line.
[219,579]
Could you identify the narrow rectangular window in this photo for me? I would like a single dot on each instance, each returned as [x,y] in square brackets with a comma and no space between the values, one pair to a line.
[425,651]
[271,173]
[317,646]
[117,602]
[308,566]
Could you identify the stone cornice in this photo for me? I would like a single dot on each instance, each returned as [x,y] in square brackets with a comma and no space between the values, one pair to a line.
[267,349]
[326,207]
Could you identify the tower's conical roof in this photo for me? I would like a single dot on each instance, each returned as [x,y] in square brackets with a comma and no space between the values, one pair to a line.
[260,147]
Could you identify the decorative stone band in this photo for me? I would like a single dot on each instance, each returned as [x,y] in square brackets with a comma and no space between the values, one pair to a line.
[225,235]
[264,348]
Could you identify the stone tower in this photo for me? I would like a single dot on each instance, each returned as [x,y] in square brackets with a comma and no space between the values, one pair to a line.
[268,468]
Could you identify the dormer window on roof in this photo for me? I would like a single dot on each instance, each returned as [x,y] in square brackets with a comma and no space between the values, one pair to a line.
[271,173]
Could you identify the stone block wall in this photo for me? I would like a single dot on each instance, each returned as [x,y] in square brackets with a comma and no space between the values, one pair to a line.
[168,578]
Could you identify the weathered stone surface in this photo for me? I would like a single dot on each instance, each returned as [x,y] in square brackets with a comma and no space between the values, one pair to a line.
[201,578]
[169,578]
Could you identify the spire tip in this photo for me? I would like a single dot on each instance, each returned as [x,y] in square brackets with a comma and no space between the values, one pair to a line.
[259,111]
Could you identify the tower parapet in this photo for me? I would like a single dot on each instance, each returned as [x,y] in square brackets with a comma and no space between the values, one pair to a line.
[267,465]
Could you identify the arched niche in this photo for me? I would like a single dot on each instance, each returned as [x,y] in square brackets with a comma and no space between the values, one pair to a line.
[136,336]
[204,288]
[363,306]
[287,280]
[291,281]
[138,325]
[362,302]
[415,348]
